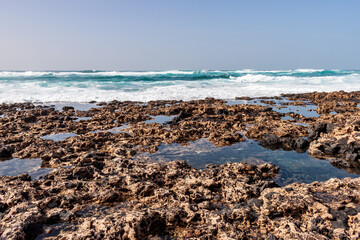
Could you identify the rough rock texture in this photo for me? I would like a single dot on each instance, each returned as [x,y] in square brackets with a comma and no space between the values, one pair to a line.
[335,136]
[156,199]
[24,125]
[173,200]
[100,191]
[342,144]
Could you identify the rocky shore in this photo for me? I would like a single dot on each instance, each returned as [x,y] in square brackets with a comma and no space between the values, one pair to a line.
[100,189]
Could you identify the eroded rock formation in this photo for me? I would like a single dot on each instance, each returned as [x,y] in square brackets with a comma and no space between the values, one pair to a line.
[98,190]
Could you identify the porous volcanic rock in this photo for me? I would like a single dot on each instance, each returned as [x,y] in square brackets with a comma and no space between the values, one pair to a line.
[343,144]
[99,190]
[173,200]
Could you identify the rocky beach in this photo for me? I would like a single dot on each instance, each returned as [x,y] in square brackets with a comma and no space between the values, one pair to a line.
[88,171]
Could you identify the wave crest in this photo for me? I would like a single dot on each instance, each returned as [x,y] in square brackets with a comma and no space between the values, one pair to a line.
[161,85]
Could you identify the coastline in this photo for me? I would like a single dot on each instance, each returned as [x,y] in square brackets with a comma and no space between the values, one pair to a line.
[186,85]
[97,177]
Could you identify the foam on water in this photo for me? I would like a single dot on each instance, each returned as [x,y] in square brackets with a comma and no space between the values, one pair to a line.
[309,70]
[9,74]
[84,86]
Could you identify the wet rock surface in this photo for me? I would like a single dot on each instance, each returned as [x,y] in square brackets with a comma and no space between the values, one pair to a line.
[98,190]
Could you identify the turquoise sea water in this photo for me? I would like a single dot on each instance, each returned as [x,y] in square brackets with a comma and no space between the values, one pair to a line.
[84,86]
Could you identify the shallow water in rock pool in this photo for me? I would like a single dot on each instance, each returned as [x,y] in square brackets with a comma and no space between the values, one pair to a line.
[58,137]
[306,111]
[16,166]
[161,119]
[293,166]
[59,105]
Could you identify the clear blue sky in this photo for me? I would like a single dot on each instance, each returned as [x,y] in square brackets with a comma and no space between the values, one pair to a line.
[179,34]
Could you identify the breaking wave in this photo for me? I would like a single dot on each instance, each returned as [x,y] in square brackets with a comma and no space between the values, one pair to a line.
[84,86]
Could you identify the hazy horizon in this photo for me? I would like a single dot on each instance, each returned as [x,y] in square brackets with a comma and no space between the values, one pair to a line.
[166,70]
[161,35]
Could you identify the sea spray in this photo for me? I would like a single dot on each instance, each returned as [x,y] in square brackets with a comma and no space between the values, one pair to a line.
[84,86]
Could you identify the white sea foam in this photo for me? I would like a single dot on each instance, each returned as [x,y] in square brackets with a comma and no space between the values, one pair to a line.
[300,70]
[308,70]
[8,74]
[13,74]
[5,74]
[31,92]
[260,78]
[260,71]
[250,84]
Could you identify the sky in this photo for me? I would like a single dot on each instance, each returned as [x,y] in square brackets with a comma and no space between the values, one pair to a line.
[179,34]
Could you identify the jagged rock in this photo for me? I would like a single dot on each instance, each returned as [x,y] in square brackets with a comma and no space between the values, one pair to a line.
[316,130]
[99,191]
[343,142]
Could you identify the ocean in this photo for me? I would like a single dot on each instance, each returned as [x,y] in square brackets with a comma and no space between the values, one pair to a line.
[85,86]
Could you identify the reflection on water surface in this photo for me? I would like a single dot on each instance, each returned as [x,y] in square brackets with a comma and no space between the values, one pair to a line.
[293,166]
[18,166]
